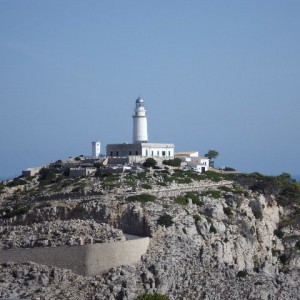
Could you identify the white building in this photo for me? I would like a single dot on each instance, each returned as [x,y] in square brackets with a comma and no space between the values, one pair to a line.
[140,145]
[142,149]
[194,161]
[96,148]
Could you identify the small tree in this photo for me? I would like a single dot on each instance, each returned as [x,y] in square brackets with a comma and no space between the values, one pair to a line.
[47,174]
[211,155]
[150,162]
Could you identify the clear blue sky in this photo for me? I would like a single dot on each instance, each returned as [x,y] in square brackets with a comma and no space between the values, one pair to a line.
[221,75]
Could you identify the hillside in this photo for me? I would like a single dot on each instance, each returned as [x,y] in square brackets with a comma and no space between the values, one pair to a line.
[213,236]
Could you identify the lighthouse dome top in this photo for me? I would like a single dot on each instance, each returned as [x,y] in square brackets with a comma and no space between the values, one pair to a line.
[139,100]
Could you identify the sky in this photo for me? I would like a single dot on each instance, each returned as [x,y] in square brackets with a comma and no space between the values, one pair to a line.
[217,74]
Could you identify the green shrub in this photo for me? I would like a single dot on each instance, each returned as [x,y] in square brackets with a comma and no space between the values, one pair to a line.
[195,197]
[242,274]
[225,188]
[150,163]
[142,175]
[228,211]
[141,198]
[16,182]
[216,177]
[172,162]
[279,233]
[238,190]
[195,175]
[196,218]
[181,200]
[66,183]
[146,186]
[212,229]
[212,193]
[228,169]
[297,245]
[155,296]
[16,211]
[165,220]
[183,180]
[283,258]
[178,173]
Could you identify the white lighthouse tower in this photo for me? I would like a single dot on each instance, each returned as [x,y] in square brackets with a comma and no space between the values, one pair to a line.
[140,131]
[96,147]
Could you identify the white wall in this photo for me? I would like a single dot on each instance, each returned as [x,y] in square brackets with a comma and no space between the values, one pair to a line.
[87,260]
[157,151]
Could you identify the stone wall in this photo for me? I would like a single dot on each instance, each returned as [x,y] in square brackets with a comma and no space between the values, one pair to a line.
[87,260]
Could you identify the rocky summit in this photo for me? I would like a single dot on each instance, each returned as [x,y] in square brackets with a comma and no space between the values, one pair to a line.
[212,235]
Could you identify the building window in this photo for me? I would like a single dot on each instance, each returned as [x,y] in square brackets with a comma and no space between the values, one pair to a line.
[111,153]
[117,153]
[169,153]
[136,152]
[157,153]
[146,152]
[164,153]
[152,153]
[130,153]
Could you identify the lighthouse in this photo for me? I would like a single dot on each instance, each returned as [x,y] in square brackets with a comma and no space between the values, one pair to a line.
[140,147]
[140,131]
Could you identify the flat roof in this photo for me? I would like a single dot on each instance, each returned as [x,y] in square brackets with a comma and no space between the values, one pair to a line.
[142,144]
[185,152]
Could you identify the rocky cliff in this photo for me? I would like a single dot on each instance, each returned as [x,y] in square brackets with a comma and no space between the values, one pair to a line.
[237,241]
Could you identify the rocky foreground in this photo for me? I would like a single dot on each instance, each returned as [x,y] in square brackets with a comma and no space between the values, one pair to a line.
[234,241]
[58,233]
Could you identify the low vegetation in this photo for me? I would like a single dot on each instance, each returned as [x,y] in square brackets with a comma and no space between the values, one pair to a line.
[228,211]
[17,210]
[16,182]
[242,274]
[279,233]
[142,198]
[172,162]
[146,186]
[196,218]
[165,220]
[216,194]
[184,200]
[155,296]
